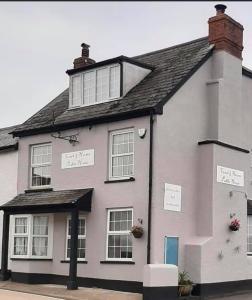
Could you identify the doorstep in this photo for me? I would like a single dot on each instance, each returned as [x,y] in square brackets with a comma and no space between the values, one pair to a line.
[60,292]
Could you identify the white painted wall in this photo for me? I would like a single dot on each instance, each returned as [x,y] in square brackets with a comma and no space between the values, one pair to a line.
[132,75]
[8,182]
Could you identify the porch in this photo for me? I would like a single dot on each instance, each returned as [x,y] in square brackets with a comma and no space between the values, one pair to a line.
[47,202]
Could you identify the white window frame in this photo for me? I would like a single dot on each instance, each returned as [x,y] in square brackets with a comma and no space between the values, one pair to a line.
[117,233]
[249,217]
[79,237]
[82,87]
[113,133]
[71,89]
[30,236]
[38,165]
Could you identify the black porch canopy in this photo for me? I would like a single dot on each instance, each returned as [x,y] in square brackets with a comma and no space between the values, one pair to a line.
[32,202]
[49,201]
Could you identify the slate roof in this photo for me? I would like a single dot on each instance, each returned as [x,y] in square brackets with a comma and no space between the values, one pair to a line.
[6,139]
[49,198]
[172,67]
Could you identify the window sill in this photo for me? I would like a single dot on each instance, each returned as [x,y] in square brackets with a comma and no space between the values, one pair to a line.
[249,254]
[31,259]
[36,190]
[78,262]
[120,180]
[117,262]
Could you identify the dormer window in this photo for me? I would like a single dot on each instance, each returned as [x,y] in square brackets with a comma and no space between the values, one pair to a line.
[93,83]
[95,86]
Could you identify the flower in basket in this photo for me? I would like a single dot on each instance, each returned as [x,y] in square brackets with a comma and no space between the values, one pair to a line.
[235,225]
[137,231]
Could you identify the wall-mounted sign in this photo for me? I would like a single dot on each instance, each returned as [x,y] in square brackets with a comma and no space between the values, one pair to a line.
[230,176]
[172,197]
[77,159]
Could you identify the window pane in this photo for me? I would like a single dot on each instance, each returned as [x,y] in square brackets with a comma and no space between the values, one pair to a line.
[20,245]
[120,246]
[41,169]
[40,225]
[102,85]
[20,225]
[120,241]
[114,82]
[81,228]
[89,88]
[41,154]
[41,176]
[39,246]
[68,248]
[76,90]
[122,155]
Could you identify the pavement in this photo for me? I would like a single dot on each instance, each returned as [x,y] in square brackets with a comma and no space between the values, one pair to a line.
[247,296]
[60,292]
[10,295]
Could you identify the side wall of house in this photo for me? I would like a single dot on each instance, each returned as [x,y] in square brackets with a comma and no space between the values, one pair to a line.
[209,106]
[176,151]
[8,181]
[113,195]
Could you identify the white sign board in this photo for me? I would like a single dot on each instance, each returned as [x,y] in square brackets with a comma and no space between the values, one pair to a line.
[230,176]
[77,159]
[172,197]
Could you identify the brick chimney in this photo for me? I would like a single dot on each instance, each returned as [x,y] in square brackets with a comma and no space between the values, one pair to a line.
[84,60]
[225,33]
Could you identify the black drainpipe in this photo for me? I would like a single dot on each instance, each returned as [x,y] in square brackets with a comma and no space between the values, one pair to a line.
[150,188]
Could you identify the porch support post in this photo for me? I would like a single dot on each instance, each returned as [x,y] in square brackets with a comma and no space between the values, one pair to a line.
[5,246]
[72,280]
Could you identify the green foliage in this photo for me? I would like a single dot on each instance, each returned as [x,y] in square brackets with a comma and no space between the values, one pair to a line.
[184,278]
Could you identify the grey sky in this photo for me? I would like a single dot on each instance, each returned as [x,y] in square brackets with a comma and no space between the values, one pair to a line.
[39,40]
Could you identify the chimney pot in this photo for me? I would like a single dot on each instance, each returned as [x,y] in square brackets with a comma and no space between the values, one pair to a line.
[220,9]
[85,50]
[84,60]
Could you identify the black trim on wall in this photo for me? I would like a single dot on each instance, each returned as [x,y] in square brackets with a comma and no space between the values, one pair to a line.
[120,180]
[78,261]
[206,142]
[88,122]
[38,190]
[117,59]
[160,293]
[31,259]
[117,262]
[222,288]
[150,189]
[117,285]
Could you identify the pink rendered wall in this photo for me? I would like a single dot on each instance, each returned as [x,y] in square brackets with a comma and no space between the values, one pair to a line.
[114,195]
[176,154]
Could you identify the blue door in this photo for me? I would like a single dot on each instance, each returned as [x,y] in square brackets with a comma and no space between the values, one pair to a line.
[171,250]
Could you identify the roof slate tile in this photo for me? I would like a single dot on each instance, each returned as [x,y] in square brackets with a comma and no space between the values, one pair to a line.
[172,65]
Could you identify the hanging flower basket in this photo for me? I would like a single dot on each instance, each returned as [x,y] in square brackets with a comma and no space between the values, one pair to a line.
[235,225]
[137,231]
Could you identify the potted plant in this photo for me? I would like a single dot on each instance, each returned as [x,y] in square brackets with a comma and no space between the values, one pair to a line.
[234,225]
[185,285]
[137,231]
